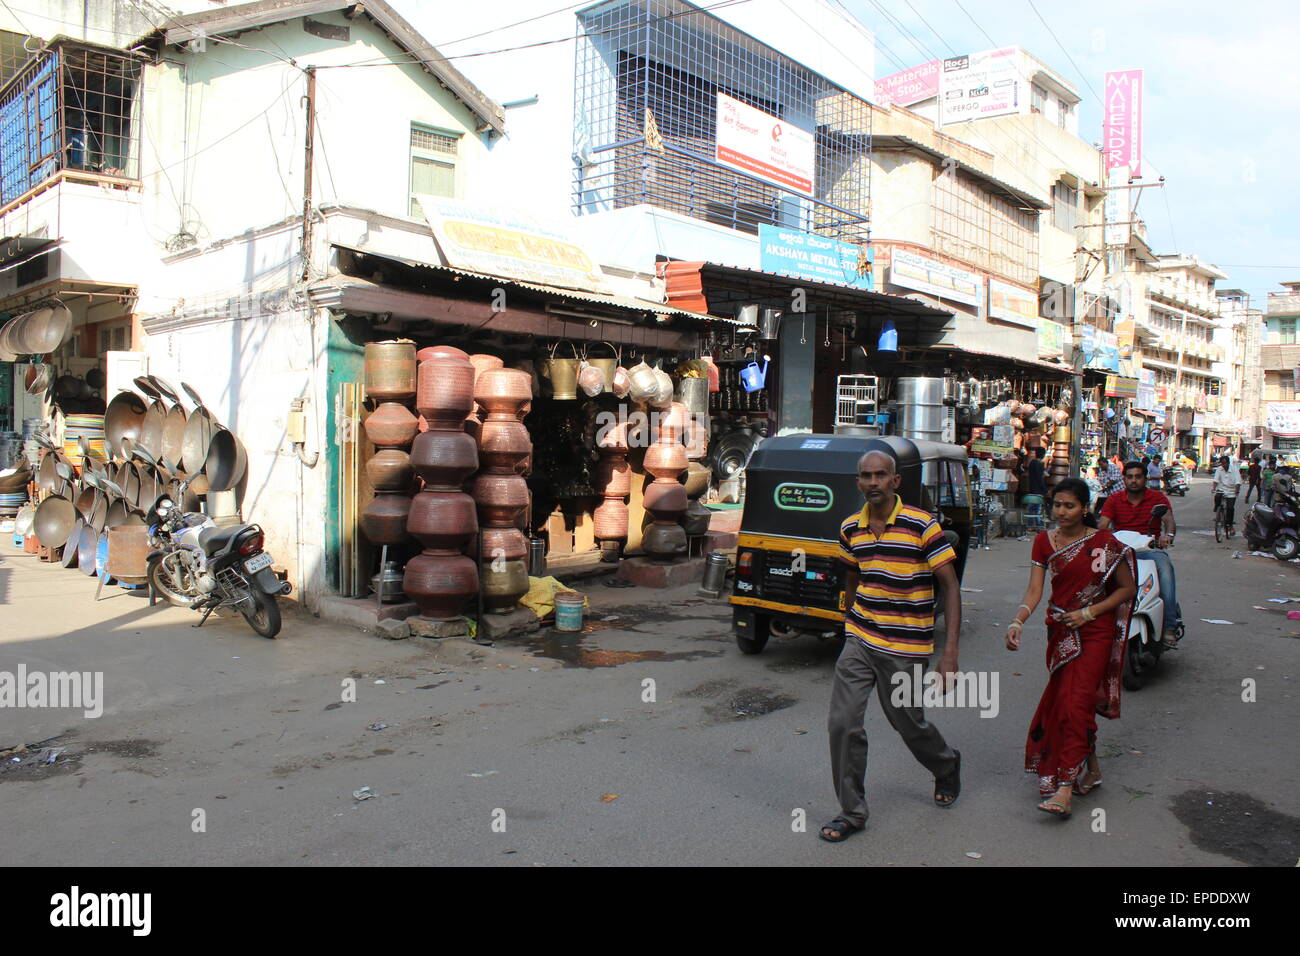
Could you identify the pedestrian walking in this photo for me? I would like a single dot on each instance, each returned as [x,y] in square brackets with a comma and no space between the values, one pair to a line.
[895,553]
[1092,577]
[1266,482]
[1254,481]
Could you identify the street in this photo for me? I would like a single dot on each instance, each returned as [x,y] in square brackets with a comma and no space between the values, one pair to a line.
[557,751]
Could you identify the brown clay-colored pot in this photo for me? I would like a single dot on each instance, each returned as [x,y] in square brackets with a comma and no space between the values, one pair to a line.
[390,371]
[390,470]
[502,588]
[665,500]
[443,458]
[502,445]
[663,540]
[445,392]
[507,543]
[441,584]
[441,351]
[391,425]
[384,519]
[613,477]
[610,519]
[503,391]
[500,498]
[665,461]
[442,520]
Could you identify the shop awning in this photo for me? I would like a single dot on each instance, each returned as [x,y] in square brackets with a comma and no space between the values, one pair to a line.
[994,358]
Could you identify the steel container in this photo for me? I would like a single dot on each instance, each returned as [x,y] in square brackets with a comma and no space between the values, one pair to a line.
[715,575]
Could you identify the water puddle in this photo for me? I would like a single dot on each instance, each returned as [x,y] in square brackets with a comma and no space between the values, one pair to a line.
[1237,825]
[570,649]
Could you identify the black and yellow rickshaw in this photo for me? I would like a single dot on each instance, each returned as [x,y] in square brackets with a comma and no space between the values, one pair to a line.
[798,489]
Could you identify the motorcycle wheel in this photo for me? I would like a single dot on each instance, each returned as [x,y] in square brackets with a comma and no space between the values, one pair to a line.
[1134,677]
[1285,548]
[162,586]
[263,614]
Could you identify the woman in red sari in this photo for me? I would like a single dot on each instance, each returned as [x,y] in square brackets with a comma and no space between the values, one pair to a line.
[1093,580]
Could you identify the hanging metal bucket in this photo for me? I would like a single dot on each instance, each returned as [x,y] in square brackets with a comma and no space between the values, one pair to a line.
[564,374]
[608,365]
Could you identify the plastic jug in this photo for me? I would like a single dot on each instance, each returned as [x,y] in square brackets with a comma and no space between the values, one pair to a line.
[753,378]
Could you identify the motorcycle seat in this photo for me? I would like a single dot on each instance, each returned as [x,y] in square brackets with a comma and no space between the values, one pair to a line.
[216,540]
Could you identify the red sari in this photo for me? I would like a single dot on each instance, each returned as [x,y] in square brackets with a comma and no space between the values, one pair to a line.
[1085,664]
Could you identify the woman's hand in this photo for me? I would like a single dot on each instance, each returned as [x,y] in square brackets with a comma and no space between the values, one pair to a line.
[1074,619]
[1013,638]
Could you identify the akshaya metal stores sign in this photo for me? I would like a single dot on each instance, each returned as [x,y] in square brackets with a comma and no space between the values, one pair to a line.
[762,145]
[806,256]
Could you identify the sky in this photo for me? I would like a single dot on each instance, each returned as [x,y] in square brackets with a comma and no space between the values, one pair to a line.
[1222,106]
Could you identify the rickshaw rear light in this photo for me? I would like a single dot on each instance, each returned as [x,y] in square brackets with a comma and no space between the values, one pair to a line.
[744,564]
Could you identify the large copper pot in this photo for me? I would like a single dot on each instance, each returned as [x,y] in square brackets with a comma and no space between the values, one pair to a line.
[503,444]
[610,519]
[445,391]
[391,425]
[430,352]
[665,461]
[507,544]
[442,521]
[613,477]
[500,498]
[384,519]
[503,584]
[441,584]
[444,458]
[503,391]
[390,470]
[390,371]
[665,499]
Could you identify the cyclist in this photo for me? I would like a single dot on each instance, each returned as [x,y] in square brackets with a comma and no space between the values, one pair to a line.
[1130,510]
[1225,485]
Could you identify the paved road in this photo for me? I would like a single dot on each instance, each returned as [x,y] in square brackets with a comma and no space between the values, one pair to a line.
[542,735]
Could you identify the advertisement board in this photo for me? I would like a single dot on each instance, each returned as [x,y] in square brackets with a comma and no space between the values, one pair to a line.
[807,256]
[762,145]
[909,86]
[982,85]
[1100,349]
[1122,125]
[1119,387]
[1051,340]
[934,277]
[1283,419]
[1013,304]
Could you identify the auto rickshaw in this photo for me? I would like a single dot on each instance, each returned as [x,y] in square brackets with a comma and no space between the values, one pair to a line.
[798,490]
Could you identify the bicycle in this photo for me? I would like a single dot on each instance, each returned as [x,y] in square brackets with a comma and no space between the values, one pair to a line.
[1221,526]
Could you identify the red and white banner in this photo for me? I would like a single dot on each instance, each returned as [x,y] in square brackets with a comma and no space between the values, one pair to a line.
[909,86]
[1122,133]
[762,145]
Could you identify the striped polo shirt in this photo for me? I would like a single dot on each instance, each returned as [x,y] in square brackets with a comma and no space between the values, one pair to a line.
[893,610]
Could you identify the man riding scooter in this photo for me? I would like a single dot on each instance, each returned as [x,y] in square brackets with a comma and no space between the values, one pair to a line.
[1130,510]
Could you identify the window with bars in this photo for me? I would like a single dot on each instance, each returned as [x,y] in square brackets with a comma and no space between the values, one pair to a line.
[433,164]
[1065,207]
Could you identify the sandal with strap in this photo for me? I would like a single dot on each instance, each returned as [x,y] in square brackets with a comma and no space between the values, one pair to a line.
[949,786]
[1080,790]
[1055,809]
[842,829]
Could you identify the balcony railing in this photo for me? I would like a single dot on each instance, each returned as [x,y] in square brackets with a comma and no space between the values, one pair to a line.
[1284,302]
[69,109]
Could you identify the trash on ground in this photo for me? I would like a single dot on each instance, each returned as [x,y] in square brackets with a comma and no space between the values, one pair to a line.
[608,797]
[365,793]
[540,598]
[485,774]
[1293,615]
[381,682]
[379,725]
[1279,600]
[974,855]
[1215,620]
[1203,532]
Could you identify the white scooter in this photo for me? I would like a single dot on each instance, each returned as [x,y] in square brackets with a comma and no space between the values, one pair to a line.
[1147,626]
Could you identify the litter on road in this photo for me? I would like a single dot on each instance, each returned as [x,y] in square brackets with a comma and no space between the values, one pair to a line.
[1215,620]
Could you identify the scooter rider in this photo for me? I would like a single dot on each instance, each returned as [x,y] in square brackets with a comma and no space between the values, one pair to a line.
[1130,510]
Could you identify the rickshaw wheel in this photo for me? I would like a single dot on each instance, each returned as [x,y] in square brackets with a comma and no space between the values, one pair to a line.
[754,644]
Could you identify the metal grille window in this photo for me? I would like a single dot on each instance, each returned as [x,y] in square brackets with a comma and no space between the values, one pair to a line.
[1065,207]
[433,164]
[648,75]
[976,226]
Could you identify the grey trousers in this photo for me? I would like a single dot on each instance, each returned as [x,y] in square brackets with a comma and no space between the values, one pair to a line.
[856,672]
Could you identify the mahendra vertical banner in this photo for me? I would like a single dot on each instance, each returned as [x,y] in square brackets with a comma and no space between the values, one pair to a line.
[1122,132]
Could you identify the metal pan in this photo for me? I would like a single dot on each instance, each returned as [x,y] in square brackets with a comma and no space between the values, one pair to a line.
[86,500]
[21,337]
[98,513]
[86,549]
[198,437]
[70,547]
[116,514]
[151,431]
[151,486]
[46,329]
[164,389]
[194,396]
[226,461]
[122,421]
[37,379]
[173,433]
[54,520]
[143,384]
[47,474]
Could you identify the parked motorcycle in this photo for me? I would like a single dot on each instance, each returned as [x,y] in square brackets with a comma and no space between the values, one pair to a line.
[197,565]
[1275,527]
[1175,479]
[1147,627]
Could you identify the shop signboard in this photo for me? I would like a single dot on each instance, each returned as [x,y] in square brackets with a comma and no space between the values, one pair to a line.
[990,447]
[1118,386]
[806,256]
[802,496]
[909,86]
[981,85]
[512,245]
[1283,419]
[912,271]
[1100,349]
[1122,133]
[1013,304]
[1051,340]
[763,145]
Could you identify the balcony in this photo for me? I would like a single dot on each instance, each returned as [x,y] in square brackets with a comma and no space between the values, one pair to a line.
[1279,358]
[72,112]
[1283,303]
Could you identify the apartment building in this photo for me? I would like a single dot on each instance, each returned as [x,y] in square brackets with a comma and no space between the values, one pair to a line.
[1239,332]
[1279,359]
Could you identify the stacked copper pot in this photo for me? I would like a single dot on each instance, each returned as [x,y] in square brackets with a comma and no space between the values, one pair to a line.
[442,579]
[390,381]
[504,395]
[614,481]
[665,497]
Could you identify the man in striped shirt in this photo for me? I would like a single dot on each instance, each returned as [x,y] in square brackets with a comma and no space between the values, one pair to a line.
[894,553]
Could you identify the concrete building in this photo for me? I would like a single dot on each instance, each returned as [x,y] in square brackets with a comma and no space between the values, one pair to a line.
[1239,333]
[1279,359]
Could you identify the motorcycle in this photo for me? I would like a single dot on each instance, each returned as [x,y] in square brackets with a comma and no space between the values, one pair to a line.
[197,565]
[1145,642]
[1175,479]
[1275,527]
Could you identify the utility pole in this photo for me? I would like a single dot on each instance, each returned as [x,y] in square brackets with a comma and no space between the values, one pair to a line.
[1178,386]
[307,171]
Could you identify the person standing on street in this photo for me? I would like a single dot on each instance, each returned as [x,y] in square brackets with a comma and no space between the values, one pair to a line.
[1225,483]
[1093,583]
[895,553]
[1266,481]
[1154,473]
[1130,510]
[1035,473]
[1254,481]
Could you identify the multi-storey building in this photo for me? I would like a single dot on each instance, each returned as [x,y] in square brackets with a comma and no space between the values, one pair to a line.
[1279,361]
[1239,332]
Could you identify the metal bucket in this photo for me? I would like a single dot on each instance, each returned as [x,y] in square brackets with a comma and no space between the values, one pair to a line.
[694,394]
[715,575]
[564,374]
[568,611]
[607,365]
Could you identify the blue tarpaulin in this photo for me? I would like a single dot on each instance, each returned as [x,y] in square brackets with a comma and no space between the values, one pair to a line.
[29,132]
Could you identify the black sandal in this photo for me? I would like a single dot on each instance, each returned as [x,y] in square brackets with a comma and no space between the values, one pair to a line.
[949,786]
[840,826]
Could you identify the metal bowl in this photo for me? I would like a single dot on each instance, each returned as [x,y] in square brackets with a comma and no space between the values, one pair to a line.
[116,514]
[54,520]
[86,549]
[70,547]
[226,461]
[98,513]
[151,431]
[173,433]
[198,436]
[46,329]
[122,420]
